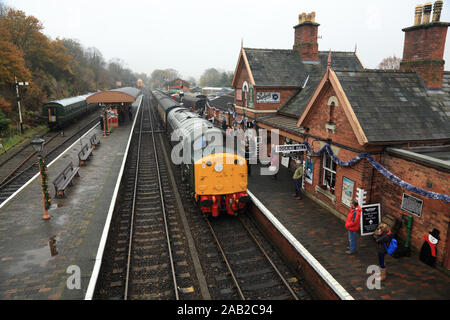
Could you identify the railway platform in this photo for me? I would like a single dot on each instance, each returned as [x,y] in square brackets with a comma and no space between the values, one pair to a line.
[324,240]
[42,259]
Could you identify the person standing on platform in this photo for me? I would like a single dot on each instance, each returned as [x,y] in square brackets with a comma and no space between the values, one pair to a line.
[274,163]
[130,114]
[247,158]
[383,237]
[298,174]
[352,225]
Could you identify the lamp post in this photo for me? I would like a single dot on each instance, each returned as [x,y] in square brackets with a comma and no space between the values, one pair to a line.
[38,145]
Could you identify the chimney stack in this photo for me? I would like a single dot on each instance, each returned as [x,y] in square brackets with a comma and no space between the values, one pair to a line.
[437,11]
[418,15]
[305,37]
[424,46]
[427,12]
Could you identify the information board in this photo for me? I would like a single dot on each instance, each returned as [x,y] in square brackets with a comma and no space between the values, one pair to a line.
[412,204]
[370,218]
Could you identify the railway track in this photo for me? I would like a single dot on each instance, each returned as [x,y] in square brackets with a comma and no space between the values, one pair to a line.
[146,255]
[22,165]
[149,256]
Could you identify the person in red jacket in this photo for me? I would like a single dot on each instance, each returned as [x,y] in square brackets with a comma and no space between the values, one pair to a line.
[352,225]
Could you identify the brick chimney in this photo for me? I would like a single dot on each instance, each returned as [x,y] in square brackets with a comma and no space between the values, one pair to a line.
[424,44]
[305,40]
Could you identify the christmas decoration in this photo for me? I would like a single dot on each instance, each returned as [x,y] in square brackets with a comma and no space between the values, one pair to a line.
[381,169]
[44,183]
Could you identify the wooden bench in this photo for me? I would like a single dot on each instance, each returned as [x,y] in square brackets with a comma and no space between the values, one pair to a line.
[84,155]
[94,141]
[64,179]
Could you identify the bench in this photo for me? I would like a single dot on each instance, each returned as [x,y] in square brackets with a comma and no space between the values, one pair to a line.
[84,155]
[64,179]
[94,141]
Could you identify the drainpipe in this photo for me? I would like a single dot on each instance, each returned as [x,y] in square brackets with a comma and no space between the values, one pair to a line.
[408,229]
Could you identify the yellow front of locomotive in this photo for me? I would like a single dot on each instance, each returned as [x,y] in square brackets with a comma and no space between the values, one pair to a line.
[221,183]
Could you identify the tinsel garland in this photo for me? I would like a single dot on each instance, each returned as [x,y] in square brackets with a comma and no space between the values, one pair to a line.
[44,186]
[381,169]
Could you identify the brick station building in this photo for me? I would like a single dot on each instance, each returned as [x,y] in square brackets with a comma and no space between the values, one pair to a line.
[400,118]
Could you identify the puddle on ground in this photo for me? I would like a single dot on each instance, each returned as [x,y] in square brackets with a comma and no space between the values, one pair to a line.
[34,257]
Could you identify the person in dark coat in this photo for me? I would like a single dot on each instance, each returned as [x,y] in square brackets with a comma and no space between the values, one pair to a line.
[383,237]
[247,158]
[428,252]
[130,113]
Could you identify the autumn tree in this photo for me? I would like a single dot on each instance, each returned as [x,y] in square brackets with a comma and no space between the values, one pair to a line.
[12,61]
[390,63]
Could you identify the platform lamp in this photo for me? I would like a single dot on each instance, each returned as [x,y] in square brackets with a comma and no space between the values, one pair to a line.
[38,145]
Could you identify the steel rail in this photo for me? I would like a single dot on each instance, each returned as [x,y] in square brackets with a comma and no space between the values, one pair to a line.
[3,185]
[233,276]
[127,276]
[163,208]
[269,260]
[26,159]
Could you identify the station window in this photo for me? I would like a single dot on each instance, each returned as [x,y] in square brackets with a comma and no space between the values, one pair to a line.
[329,171]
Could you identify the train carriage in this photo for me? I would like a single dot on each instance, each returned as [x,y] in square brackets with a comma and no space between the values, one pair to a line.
[216,173]
[59,113]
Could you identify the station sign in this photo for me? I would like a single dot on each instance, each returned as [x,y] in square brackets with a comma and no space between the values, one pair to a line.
[287,148]
[370,218]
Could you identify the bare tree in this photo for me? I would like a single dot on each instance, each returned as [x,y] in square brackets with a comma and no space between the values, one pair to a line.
[3,9]
[390,63]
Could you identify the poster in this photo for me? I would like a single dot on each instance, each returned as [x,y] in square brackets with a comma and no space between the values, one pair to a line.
[308,171]
[285,161]
[370,218]
[347,191]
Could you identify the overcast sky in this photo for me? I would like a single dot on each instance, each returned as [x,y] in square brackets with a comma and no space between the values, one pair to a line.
[192,36]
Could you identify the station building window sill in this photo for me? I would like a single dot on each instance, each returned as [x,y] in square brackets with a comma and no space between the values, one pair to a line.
[326,193]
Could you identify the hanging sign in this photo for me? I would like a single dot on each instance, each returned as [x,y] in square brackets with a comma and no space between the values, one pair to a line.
[370,218]
[287,148]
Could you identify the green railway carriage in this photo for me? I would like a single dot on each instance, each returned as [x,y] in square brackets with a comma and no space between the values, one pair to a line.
[60,113]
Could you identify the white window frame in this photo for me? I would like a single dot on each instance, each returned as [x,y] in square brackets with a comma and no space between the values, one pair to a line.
[325,169]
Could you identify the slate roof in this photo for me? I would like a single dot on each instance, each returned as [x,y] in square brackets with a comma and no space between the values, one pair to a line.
[277,67]
[221,102]
[395,105]
[288,124]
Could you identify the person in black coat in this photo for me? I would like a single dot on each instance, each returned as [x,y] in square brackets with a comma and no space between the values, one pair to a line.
[428,252]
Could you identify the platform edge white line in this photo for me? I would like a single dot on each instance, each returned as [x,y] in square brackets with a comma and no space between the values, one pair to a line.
[98,260]
[329,279]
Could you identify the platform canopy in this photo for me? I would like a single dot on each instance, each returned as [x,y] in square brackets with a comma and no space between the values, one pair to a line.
[120,95]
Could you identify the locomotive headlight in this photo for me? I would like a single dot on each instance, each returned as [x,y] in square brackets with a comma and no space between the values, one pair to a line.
[218,167]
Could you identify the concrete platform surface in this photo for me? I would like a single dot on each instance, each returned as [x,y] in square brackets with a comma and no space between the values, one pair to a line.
[325,237]
[42,259]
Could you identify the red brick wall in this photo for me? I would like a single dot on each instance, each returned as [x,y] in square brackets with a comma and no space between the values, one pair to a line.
[241,76]
[361,173]
[435,213]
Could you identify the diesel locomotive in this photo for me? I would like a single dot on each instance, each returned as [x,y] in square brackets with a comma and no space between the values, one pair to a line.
[214,170]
